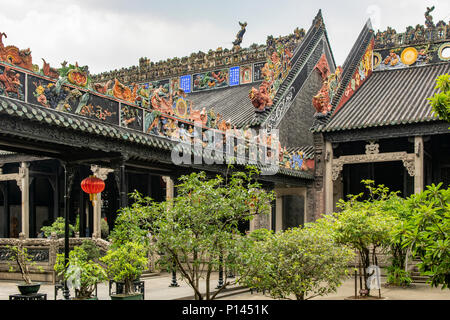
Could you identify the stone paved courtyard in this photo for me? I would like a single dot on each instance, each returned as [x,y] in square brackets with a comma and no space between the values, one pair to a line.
[157,288]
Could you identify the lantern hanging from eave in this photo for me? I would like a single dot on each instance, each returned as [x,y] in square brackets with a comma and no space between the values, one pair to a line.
[92,186]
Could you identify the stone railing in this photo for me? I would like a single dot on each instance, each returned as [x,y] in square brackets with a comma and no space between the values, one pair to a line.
[43,252]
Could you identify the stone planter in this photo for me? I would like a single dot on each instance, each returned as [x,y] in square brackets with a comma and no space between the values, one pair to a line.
[136,296]
[26,289]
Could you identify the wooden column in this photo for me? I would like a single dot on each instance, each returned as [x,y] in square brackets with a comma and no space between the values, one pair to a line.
[4,190]
[328,178]
[24,185]
[418,164]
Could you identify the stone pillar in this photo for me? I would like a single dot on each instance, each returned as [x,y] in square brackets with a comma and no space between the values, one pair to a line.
[278,212]
[328,178]
[418,164]
[24,184]
[169,187]
[101,173]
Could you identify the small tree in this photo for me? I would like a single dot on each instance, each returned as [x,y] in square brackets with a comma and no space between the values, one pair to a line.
[81,270]
[397,271]
[197,231]
[20,255]
[303,262]
[126,264]
[428,233]
[365,225]
[440,102]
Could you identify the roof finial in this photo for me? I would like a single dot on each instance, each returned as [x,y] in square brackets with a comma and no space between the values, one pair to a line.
[428,18]
[240,35]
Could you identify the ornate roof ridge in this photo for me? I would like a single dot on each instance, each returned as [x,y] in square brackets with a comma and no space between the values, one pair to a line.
[343,78]
[420,34]
[196,62]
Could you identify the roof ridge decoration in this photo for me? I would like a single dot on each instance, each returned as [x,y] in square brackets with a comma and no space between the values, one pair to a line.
[304,59]
[356,70]
[419,34]
[331,82]
[239,36]
[417,46]
[194,63]
[15,56]
[275,70]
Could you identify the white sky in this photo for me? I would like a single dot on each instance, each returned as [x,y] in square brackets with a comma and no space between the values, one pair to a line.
[110,34]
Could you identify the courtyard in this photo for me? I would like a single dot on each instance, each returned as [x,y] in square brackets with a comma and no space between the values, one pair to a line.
[300,152]
[157,288]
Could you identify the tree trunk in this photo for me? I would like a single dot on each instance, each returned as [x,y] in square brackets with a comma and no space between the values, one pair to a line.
[300,296]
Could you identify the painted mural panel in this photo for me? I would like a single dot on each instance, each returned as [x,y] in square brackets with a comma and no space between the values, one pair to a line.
[186,83]
[12,83]
[63,98]
[131,117]
[257,71]
[55,95]
[211,80]
[246,75]
[99,108]
[234,76]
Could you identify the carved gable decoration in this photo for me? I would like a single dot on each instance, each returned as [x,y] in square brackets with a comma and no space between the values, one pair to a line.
[331,82]
[362,73]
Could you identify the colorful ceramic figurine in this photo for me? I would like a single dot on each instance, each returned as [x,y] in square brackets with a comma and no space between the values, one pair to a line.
[12,55]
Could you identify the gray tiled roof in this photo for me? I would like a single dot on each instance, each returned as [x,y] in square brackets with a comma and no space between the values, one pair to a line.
[48,117]
[232,103]
[391,97]
[308,151]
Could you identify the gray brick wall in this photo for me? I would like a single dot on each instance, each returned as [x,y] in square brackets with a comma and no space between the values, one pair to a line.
[295,125]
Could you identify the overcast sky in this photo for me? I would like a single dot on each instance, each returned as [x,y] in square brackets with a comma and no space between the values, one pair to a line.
[110,34]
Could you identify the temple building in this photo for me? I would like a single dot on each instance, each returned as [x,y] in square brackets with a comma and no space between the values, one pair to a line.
[336,125]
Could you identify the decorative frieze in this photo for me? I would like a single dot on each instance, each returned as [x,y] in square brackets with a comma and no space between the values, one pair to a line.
[407,159]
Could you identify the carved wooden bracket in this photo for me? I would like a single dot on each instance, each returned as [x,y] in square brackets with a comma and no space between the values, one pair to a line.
[101,173]
[406,158]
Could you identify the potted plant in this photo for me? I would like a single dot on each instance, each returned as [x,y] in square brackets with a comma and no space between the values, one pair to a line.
[58,227]
[81,272]
[20,256]
[125,264]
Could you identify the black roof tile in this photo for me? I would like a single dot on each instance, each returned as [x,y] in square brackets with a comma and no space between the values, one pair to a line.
[390,97]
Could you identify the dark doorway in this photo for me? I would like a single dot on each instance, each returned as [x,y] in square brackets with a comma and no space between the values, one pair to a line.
[390,174]
[293,211]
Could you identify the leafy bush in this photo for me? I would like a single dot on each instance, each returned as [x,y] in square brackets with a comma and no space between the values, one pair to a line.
[104,228]
[427,233]
[126,263]
[304,262]
[440,102]
[58,227]
[398,276]
[91,249]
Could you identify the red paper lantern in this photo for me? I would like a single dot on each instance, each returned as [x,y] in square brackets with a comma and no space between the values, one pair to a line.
[92,185]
